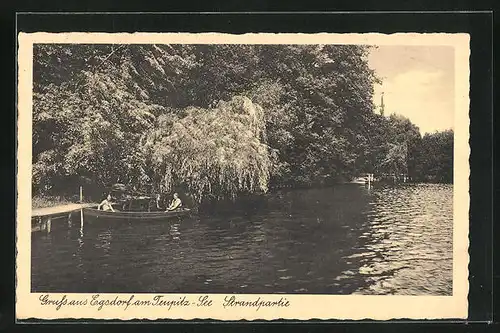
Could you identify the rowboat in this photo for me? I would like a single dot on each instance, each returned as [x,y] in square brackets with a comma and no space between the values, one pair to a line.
[130,204]
[131,215]
[359,180]
[364,179]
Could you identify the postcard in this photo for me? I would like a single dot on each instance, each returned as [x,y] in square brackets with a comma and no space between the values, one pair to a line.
[256,176]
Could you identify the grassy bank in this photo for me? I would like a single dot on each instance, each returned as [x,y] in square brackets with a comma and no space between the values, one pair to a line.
[48,201]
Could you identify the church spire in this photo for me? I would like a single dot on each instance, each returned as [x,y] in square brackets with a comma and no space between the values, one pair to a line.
[382,105]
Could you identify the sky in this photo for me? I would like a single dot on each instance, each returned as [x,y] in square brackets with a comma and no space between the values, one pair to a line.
[418,83]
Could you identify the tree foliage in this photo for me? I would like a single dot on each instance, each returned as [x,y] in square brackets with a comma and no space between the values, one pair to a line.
[435,158]
[222,119]
[220,151]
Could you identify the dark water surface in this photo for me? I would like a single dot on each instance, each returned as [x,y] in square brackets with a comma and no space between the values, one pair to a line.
[343,240]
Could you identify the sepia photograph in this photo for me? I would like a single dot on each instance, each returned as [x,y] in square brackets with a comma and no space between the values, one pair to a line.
[287,169]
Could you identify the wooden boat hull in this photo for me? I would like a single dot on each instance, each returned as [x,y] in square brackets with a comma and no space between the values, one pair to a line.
[125,215]
[358,181]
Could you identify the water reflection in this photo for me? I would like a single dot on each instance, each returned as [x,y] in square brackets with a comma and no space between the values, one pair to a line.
[350,239]
[174,231]
[407,236]
[103,241]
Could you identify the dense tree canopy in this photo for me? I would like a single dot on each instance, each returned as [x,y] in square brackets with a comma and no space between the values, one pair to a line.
[220,119]
[435,157]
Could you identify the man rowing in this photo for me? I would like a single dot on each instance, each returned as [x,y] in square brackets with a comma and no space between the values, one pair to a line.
[106,204]
[175,204]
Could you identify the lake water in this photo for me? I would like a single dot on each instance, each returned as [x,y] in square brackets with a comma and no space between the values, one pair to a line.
[343,240]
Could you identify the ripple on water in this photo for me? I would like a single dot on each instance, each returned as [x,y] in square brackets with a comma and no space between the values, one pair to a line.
[389,240]
[412,230]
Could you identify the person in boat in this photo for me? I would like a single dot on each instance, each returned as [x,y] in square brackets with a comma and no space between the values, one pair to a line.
[106,204]
[175,204]
[158,202]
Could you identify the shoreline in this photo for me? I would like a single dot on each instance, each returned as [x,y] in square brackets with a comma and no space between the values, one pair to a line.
[41,201]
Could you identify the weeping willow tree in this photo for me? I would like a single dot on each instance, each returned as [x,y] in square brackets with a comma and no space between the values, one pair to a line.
[216,152]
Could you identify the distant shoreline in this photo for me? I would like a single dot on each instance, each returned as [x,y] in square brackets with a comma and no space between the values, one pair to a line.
[44,201]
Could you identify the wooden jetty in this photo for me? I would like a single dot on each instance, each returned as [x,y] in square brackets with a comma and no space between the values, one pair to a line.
[42,217]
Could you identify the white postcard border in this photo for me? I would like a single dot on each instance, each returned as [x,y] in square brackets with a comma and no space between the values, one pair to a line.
[302,307]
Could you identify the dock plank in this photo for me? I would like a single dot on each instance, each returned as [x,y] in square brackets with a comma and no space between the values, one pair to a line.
[48,211]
